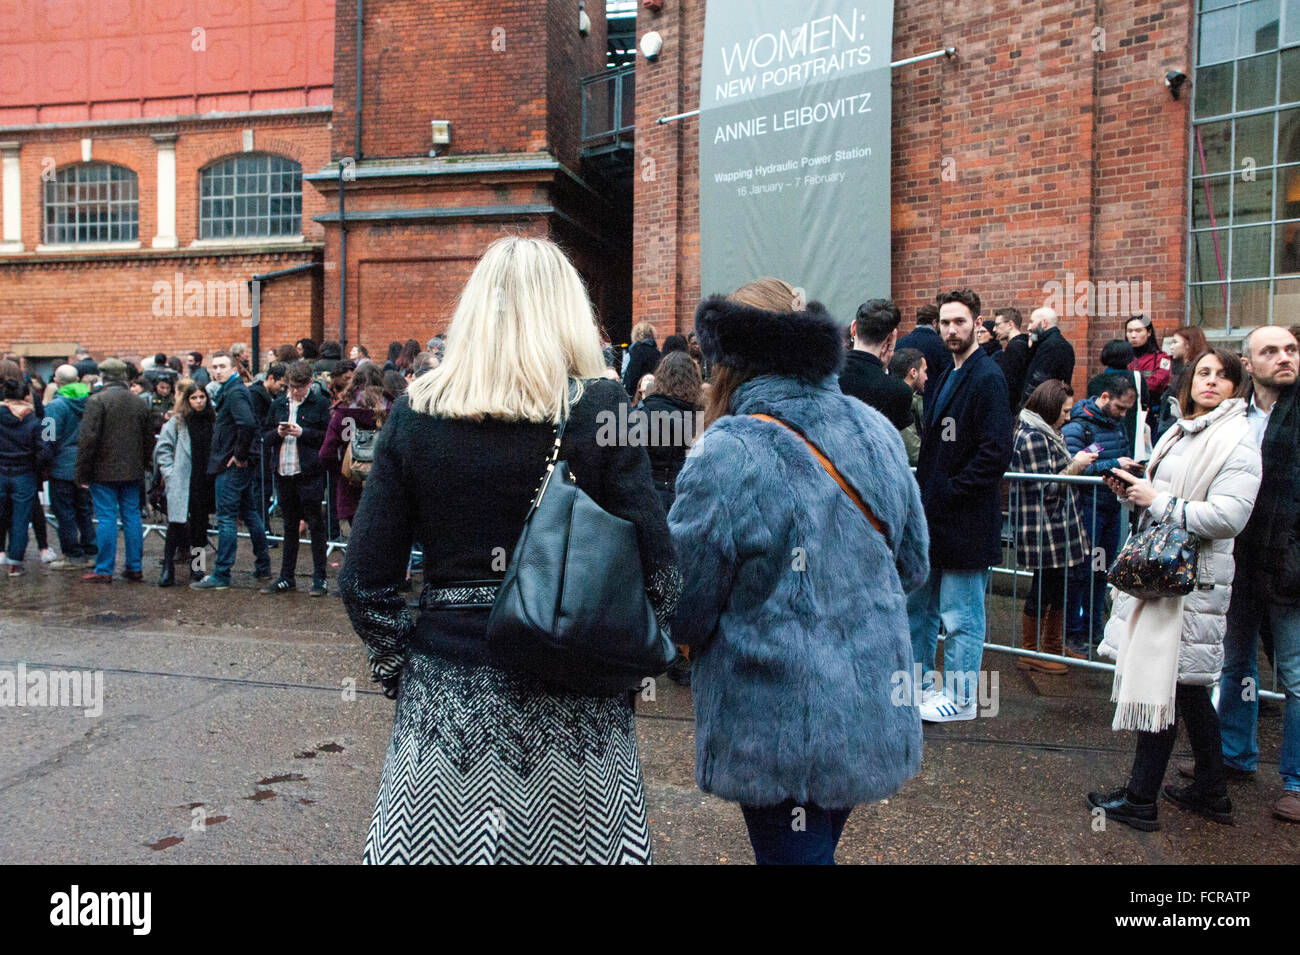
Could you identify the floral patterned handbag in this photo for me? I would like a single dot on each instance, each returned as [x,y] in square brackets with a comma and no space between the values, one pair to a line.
[1159,562]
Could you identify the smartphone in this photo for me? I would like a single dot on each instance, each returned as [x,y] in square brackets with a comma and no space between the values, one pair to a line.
[1094,448]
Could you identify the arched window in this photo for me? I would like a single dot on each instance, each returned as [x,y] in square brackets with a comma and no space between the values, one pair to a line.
[249,196]
[92,202]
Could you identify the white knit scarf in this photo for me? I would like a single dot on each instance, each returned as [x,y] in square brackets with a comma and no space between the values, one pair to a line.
[1146,668]
[1054,437]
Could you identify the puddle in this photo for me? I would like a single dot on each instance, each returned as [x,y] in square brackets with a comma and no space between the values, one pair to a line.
[285,778]
[166,843]
[329,748]
[261,794]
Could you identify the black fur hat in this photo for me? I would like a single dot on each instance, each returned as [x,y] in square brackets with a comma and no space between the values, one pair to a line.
[754,341]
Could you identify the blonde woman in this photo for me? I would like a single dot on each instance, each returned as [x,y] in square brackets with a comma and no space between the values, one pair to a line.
[488,764]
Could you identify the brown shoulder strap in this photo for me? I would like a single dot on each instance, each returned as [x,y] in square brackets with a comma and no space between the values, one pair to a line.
[834,472]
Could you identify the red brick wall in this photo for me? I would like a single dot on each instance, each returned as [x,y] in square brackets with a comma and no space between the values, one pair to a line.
[104,300]
[108,304]
[1063,158]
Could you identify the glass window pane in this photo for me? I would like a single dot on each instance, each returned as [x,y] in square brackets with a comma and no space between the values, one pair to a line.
[1251,252]
[1259,30]
[1288,250]
[1292,21]
[1290,91]
[1209,261]
[1257,82]
[1214,90]
[1218,35]
[1249,304]
[1210,202]
[1212,143]
[1288,192]
[1255,140]
[1288,136]
[1286,301]
[1208,308]
[1252,201]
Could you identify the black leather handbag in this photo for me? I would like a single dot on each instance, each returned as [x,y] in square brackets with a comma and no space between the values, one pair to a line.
[572,608]
[1159,562]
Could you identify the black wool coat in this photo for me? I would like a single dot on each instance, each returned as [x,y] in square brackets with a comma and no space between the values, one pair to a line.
[966,450]
[864,378]
[236,429]
[1269,547]
[1052,357]
[1014,362]
[461,489]
[313,418]
[642,359]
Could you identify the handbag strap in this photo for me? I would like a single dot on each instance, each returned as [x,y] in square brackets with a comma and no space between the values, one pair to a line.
[555,450]
[834,472]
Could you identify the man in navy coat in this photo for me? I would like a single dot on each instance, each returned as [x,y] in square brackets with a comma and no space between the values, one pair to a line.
[925,339]
[964,453]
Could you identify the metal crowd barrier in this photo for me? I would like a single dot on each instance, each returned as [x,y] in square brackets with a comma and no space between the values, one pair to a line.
[1006,579]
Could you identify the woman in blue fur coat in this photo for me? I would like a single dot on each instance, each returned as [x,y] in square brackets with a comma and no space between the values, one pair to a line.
[795,602]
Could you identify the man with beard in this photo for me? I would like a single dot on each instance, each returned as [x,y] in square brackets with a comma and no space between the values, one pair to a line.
[964,452]
[1266,588]
[1051,356]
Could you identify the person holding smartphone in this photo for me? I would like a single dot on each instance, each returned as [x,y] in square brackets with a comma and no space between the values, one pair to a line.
[1204,474]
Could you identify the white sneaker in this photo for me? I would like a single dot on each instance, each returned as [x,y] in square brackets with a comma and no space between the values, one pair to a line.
[930,694]
[941,709]
[48,556]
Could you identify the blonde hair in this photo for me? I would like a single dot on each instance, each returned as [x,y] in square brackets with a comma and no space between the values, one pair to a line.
[643,331]
[523,326]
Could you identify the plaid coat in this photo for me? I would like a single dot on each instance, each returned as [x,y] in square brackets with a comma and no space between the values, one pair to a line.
[1045,514]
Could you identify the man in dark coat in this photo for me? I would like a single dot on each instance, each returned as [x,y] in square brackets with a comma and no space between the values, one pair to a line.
[69,501]
[1266,588]
[113,455]
[1098,420]
[1013,359]
[642,357]
[231,462]
[875,330]
[263,394]
[1051,355]
[294,432]
[925,339]
[964,453]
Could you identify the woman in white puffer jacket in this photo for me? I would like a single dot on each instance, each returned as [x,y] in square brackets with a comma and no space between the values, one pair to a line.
[1204,474]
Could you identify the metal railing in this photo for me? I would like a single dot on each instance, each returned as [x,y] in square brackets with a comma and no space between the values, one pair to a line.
[609,108]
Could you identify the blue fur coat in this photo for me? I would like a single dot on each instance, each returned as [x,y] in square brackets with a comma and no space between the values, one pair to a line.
[795,604]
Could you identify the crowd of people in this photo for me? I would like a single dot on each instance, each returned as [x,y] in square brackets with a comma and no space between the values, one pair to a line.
[785,544]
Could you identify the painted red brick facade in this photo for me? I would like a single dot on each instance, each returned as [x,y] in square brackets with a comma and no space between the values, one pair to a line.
[1047,147]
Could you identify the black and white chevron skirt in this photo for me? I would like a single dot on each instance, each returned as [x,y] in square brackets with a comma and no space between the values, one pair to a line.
[486,766]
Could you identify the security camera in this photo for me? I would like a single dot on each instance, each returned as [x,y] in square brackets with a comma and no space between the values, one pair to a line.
[584,21]
[1175,79]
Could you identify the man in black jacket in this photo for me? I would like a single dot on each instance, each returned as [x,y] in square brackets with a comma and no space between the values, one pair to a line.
[1051,357]
[232,462]
[294,433]
[263,395]
[1013,359]
[925,339]
[875,330]
[964,453]
[1266,588]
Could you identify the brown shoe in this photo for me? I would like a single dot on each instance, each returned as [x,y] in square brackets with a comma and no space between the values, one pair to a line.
[1288,806]
[1029,641]
[1187,767]
[94,578]
[136,575]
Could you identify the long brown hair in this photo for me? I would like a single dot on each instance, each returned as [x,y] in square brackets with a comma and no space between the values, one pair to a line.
[677,376]
[183,409]
[1231,365]
[769,294]
[1196,342]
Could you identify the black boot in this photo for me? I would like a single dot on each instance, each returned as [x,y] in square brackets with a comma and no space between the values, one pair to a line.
[1215,808]
[1120,807]
[170,543]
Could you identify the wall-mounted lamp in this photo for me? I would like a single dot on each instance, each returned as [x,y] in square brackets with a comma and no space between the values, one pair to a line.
[1175,79]
[651,44]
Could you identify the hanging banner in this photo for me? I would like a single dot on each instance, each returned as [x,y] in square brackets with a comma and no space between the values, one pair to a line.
[795,148]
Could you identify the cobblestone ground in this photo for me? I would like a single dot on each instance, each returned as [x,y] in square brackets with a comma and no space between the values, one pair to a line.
[227,708]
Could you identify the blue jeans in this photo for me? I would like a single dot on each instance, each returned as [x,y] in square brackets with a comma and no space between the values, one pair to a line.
[72,509]
[239,498]
[110,499]
[955,597]
[781,835]
[19,491]
[1249,610]
[1087,597]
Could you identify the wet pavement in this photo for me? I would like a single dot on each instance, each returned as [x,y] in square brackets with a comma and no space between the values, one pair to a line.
[238,727]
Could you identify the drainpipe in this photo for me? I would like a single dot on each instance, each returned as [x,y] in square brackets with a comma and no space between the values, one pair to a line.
[255,287]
